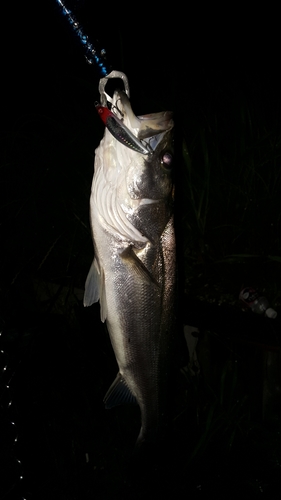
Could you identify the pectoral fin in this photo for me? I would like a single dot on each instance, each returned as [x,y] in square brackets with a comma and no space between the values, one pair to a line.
[137,267]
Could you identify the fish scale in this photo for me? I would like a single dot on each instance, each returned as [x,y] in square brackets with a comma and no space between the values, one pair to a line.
[133,274]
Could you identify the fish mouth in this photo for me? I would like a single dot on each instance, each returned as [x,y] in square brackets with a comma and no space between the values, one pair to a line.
[143,126]
[140,133]
[155,123]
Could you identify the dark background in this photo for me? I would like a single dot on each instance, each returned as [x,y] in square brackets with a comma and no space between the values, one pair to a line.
[175,60]
[218,70]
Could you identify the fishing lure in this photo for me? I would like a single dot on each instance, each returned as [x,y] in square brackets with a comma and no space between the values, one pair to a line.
[115,126]
[111,121]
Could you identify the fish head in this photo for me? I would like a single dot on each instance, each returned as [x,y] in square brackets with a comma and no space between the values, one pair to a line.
[127,181]
[148,176]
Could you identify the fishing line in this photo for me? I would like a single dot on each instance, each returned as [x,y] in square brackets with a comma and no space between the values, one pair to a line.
[93,54]
[98,57]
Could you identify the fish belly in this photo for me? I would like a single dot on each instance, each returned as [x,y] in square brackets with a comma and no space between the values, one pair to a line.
[139,290]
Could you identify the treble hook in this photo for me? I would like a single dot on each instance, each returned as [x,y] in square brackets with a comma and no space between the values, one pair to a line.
[115,126]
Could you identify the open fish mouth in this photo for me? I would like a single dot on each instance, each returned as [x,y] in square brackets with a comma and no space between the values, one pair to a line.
[140,133]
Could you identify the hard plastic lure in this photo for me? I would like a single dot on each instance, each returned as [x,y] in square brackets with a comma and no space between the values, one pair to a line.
[116,127]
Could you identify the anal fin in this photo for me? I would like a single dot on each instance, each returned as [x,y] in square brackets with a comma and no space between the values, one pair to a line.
[118,394]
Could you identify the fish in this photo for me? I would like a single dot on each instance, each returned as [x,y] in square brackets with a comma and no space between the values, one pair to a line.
[133,274]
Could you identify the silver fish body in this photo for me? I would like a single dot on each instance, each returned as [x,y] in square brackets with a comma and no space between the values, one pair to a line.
[133,273]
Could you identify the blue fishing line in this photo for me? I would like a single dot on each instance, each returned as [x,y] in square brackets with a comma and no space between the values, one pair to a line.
[93,55]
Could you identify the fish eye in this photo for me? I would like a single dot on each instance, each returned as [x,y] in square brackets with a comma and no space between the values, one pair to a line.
[167,160]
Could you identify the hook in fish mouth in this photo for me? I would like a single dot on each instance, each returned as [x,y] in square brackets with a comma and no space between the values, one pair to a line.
[139,133]
[121,133]
[115,126]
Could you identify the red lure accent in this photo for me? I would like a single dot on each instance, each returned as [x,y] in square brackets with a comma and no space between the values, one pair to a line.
[121,133]
[104,113]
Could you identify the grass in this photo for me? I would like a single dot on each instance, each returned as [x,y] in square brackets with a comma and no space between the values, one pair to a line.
[230,184]
[235,192]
